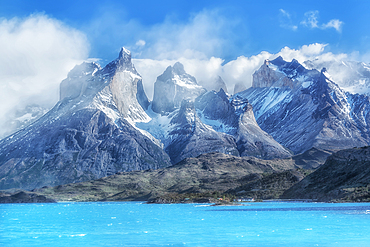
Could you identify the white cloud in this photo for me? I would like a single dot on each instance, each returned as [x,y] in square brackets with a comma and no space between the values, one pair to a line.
[335,23]
[286,20]
[236,72]
[203,35]
[311,21]
[37,52]
[302,54]
[239,71]
[140,43]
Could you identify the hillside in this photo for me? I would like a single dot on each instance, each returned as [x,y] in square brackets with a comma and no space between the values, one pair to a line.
[206,176]
[345,176]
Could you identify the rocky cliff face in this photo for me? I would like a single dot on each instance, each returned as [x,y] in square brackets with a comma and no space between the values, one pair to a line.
[311,111]
[189,137]
[211,122]
[266,77]
[172,87]
[87,135]
[235,117]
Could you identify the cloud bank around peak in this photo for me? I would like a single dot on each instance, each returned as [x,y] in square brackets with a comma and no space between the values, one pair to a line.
[37,52]
[236,73]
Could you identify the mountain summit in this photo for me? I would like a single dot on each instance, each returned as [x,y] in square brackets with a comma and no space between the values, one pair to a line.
[87,135]
[172,87]
[302,108]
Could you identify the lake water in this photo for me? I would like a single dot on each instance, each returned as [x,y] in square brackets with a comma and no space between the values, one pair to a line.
[138,224]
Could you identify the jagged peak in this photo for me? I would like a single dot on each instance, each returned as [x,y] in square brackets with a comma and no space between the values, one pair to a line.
[124,52]
[178,68]
[222,95]
[295,61]
[83,69]
[186,113]
[278,60]
[123,62]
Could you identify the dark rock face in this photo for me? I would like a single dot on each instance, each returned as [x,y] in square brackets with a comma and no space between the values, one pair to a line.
[235,117]
[205,121]
[190,137]
[25,197]
[312,111]
[345,176]
[266,77]
[216,106]
[86,135]
[86,146]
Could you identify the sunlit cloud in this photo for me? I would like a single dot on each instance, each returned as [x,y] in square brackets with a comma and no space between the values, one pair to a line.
[311,21]
[37,52]
[302,54]
[236,73]
[335,23]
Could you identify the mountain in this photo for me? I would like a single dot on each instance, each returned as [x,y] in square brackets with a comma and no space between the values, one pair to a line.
[302,108]
[204,122]
[234,116]
[198,179]
[172,87]
[190,137]
[351,76]
[345,176]
[88,134]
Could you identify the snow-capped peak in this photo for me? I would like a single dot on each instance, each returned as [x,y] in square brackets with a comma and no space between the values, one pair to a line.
[124,51]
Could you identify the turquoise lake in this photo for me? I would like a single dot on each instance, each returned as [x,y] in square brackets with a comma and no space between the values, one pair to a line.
[139,224]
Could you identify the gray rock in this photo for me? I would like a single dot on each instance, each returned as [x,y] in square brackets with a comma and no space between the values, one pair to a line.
[312,111]
[172,87]
[87,135]
[189,137]
[235,117]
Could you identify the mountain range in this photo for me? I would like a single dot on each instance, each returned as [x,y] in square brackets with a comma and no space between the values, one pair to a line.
[104,123]
[302,108]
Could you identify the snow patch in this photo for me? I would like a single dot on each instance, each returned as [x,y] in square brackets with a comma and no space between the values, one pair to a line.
[306,84]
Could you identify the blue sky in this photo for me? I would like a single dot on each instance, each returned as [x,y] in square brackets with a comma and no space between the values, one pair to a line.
[244,27]
[41,41]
